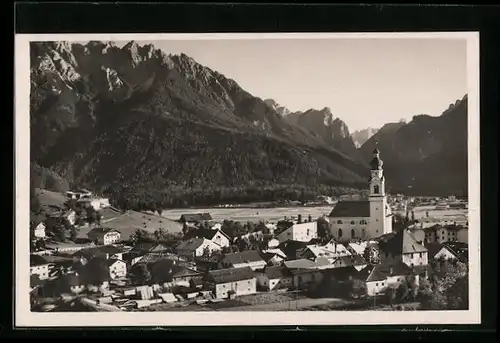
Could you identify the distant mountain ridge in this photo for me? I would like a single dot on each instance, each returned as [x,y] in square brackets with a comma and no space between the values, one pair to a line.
[426,156]
[359,137]
[323,124]
[136,123]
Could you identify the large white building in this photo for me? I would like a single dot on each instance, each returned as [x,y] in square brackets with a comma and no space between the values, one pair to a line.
[302,232]
[364,219]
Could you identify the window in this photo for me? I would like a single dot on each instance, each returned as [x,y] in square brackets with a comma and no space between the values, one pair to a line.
[353,233]
[340,232]
[308,232]
[412,264]
[363,233]
[420,255]
[382,284]
[376,284]
[339,221]
[376,189]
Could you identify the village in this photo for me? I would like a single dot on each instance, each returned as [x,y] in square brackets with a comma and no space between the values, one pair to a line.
[384,252]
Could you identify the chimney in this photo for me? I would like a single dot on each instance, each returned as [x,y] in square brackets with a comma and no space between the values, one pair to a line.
[299,218]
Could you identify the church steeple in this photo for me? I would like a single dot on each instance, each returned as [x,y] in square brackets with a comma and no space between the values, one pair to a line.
[376,163]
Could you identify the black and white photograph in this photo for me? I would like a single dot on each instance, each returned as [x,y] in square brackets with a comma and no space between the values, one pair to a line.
[219,179]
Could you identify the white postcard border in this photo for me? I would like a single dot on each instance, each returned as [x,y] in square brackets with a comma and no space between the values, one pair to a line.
[25,318]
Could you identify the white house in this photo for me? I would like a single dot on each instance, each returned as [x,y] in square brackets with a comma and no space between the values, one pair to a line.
[104,236]
[195,247]
[39,230]
[217,236]
[117,268]
[330,251]
[274,278]
[364,219]
[383,276]
[301,232]
[249,258]
[402,247]
[96,203]
[40,267]
[236,281]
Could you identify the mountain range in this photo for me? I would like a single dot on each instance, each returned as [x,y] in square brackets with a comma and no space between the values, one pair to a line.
[359,137]
[152,129]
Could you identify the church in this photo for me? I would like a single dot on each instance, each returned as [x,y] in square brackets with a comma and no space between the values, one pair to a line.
[364,219]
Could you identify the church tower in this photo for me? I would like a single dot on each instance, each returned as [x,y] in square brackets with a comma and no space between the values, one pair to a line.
[380,213]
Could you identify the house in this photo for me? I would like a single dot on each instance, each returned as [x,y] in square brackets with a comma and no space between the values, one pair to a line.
[233,281]
[301,232]
[274,278]
[273,257]
[117,268]
[195,218]
[292,248]
[96,203]
[383,276]
[170,271]
[39,230]
[250,258]
[306,278]
[402,247]
[78,194]
[217,236]
[448,251]
[364,219]
[330,251]
[357,248]
[104,236]
[63,216]
[196,247]
[356,261]
[39,266]
[37,226]
[104,251]
[142,249]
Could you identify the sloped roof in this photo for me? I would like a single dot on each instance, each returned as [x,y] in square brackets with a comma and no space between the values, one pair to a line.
[401,242]
[433,249]
[97,231]
[196,217]
[349,209]
[302,263]
[458,249]
[146,247]
[99,251]
[231,274]
[209,233]
[352,260]
[37,260]
[191,244]
[112,261]
[243,257]
[276,272]
[380,272]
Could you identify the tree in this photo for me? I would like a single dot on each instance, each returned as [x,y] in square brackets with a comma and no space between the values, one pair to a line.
[59,232]
[357,288]
[73,233]
[413,288]
[391,294]
[206,252]
[140,236]
[402,292]
[96,271]
[371,255]
[140,274]
[324,233]
[458,294]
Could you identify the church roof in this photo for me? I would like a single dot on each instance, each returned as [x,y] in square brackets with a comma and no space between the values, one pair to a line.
[351,209]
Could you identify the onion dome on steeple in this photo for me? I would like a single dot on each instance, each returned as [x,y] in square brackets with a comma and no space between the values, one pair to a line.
[376,163]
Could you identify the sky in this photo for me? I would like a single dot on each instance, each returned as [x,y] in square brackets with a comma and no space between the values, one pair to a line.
[365,82]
